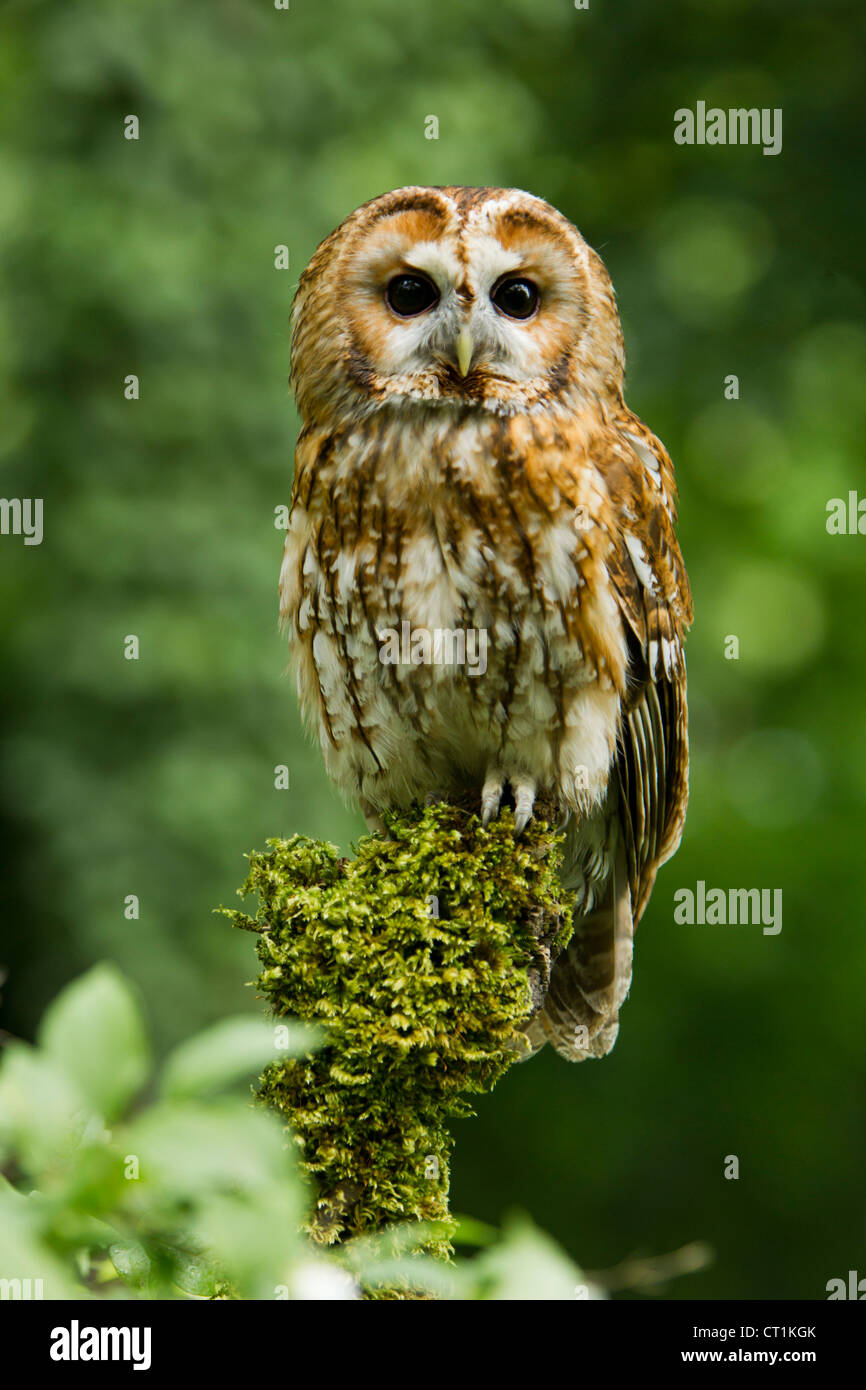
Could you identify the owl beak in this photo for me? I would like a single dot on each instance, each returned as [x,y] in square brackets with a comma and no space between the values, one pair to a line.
[464,347]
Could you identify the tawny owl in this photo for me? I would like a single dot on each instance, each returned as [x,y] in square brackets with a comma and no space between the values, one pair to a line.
[481,575]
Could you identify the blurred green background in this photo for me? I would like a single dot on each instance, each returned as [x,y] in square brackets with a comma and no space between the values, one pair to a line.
[261,127]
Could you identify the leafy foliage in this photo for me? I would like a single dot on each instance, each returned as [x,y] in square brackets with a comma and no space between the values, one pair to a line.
[195,1194]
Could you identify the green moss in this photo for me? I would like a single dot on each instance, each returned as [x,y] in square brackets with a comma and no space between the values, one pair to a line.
[422,957]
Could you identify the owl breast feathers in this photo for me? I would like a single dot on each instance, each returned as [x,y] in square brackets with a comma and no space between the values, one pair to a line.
[481,575]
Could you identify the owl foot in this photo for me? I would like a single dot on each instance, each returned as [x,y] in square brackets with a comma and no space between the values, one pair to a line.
[491,796]
[491,800]
[524,801]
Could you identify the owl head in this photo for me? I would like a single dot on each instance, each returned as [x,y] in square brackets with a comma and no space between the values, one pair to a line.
[485,298]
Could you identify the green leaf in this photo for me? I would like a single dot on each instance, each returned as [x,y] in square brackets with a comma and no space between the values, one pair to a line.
[132,1263]
[188,1148]
[41,1110]
[26,1255]
[525,1264]
[195,1274]
[230,1050]
[94,1032]
[255,1234]
[472,1232]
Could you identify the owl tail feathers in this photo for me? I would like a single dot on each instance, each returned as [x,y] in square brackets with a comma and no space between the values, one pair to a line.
[591,978]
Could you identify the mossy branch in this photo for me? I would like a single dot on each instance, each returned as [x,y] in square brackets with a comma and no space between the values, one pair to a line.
[423,957]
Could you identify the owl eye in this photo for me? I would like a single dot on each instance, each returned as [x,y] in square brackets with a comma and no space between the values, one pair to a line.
[516,298]
[411,294]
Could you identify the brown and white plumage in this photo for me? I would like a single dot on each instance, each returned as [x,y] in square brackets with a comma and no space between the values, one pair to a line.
[465,467]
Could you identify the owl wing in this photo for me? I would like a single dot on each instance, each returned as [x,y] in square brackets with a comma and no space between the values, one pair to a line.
[652,588]
[642,820]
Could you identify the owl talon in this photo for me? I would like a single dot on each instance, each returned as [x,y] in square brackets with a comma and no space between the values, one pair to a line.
[524,801]
[491,796]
